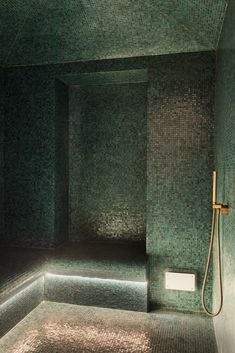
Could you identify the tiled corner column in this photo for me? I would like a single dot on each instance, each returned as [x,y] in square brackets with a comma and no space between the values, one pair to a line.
[179,169]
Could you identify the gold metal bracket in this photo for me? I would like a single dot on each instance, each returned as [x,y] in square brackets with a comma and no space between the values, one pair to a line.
[224,209]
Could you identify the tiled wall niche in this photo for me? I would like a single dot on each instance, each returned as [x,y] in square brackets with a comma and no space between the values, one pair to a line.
[108,156]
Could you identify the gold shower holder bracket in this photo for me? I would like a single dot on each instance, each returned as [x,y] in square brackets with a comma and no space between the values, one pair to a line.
[224,209]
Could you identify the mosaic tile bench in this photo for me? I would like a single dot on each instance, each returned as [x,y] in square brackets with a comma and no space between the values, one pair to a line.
[94,274]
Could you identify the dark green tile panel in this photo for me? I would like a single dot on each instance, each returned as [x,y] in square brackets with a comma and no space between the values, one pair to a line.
[180,162]
[225,165]
[108,162]
[52,32]
[29,161]
[1,152]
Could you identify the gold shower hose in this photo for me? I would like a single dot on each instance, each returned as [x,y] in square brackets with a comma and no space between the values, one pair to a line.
[215,221]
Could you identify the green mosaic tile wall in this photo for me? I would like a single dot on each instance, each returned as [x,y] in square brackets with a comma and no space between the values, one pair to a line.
[50,31]
[29,161]
[61,161]
[225,165]
[108,161]
[1,152]
[33,153]
[179,161]
[36,160]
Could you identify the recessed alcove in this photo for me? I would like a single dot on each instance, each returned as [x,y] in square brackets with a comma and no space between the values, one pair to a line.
[98,254]
[107,155]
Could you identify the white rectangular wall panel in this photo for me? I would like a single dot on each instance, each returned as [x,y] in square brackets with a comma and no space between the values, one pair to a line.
[180,281]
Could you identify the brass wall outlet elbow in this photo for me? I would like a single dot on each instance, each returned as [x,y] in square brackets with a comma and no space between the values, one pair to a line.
[224,209]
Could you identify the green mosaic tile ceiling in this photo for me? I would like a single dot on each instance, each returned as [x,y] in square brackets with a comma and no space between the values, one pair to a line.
[44,31]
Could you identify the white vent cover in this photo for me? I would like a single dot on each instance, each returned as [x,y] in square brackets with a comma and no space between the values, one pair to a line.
[180,281]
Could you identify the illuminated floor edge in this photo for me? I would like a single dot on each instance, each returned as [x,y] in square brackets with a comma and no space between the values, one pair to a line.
[57,328]
[101,292]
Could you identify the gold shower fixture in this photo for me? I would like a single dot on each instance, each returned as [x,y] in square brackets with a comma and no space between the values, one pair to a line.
[218,209]
[224,209]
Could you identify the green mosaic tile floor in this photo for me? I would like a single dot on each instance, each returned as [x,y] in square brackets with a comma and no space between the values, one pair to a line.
[65,328]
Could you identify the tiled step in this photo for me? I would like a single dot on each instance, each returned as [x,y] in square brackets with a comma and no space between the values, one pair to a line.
[98,274]
[83,289]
